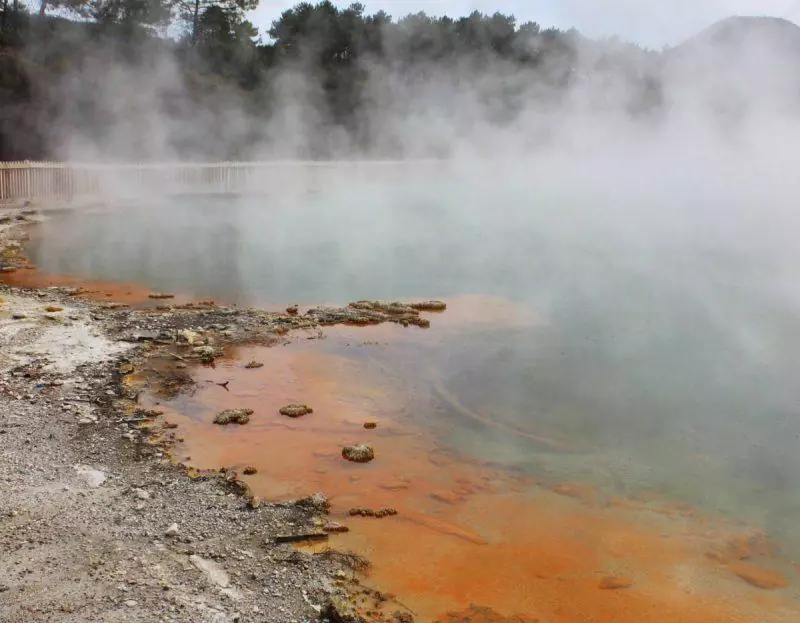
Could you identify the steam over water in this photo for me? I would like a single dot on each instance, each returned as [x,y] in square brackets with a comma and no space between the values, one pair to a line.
[654,333]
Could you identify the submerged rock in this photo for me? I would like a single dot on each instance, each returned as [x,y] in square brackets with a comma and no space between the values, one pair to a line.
[233,416]
[611,582]
[766,579]
[295,410]
[484,614]
[359,453]
[254,364]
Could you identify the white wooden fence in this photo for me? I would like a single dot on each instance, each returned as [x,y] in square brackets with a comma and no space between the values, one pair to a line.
[66,181]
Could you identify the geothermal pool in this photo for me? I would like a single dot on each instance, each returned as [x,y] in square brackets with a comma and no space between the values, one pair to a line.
[609,392]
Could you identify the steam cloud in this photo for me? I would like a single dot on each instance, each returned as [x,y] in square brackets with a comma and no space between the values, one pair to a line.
[645,202]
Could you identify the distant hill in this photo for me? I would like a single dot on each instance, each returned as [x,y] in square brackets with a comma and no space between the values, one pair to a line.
[738,35]
[739,59]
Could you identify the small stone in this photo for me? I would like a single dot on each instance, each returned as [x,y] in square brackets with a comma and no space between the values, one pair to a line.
[233,416]
[295,410]
[18,316]
[359,453]
[254,364]
[131,603]
[249,470]
[172,530]
[141,494]
[611,582]
[335,526]
[53,309]
[292,310]
[370,425]
[160,295]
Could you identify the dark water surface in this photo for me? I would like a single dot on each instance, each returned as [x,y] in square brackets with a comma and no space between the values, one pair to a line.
[655,354]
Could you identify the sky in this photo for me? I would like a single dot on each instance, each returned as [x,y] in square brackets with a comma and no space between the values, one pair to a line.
[651,23]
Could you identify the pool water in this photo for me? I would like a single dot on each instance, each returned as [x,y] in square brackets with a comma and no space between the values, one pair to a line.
[586,340]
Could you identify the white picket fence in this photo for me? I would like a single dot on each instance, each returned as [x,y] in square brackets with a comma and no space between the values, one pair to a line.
[66,180]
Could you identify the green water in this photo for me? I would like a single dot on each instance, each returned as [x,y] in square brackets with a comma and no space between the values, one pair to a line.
[665,354]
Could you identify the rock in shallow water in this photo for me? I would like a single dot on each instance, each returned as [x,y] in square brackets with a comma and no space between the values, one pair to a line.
[296,410]
[318,501]
[359,453]
[611,582]
[233,416]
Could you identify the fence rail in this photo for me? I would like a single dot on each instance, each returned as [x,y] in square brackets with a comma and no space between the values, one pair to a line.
[73,180]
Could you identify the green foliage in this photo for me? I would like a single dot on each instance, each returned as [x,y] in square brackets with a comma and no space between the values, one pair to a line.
[218,59]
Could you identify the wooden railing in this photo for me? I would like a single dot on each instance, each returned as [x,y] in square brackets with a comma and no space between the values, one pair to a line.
[66,181]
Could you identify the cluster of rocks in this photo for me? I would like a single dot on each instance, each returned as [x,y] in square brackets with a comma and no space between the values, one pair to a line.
[376,312]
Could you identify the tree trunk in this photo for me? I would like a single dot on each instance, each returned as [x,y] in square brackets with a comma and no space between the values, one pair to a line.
[194,21]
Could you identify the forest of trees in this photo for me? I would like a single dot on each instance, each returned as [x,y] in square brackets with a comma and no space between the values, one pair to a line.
[59,61]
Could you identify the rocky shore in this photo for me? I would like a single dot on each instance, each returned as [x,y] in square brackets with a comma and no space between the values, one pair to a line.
[97,522]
